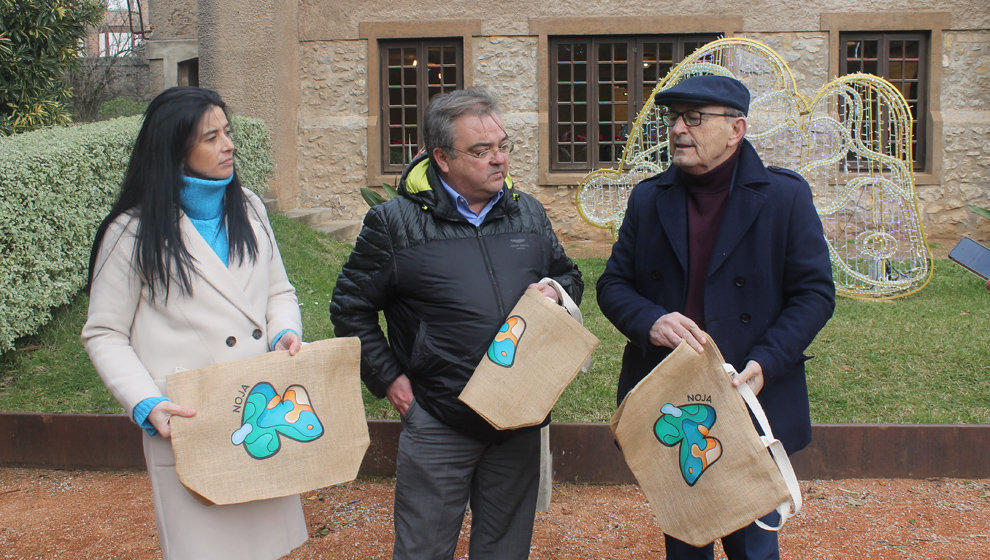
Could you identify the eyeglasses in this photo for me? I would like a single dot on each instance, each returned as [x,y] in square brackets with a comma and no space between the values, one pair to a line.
[691,118]
[504,148]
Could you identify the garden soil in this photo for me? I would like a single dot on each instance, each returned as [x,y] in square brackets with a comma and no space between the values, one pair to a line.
[108,515]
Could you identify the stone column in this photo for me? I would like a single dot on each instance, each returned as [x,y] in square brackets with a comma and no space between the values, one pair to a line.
[248,52]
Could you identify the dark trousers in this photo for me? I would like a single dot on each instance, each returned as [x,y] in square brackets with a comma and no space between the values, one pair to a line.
[749,543]
[438,470]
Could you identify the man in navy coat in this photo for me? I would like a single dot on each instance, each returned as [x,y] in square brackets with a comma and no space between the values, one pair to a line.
[720,243]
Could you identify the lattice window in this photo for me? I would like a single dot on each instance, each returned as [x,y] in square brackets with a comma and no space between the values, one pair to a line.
[597,87]
[902,59]
[412,73]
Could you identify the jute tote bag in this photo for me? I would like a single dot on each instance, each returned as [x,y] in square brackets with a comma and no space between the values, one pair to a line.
[686,435]
[272,425]
[534,357]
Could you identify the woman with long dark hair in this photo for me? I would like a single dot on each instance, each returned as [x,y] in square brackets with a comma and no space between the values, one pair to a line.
[184,272]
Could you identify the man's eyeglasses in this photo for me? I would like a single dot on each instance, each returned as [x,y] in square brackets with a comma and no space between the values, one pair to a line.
[504,148]
[691,118]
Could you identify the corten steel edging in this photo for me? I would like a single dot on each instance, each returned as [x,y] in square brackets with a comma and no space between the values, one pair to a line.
[70,441]
[581,452]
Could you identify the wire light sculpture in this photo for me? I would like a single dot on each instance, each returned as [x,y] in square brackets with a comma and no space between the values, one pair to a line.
[851,141]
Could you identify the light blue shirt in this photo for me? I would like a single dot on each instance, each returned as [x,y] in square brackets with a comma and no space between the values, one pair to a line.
[464,209]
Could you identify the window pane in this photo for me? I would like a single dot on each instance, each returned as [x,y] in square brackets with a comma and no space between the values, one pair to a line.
[434,55]
[412,71]
[900,57]
[394,57]
[870,49]
[581,53]
[581,113]
[581,73]
[596,102]
[894,70]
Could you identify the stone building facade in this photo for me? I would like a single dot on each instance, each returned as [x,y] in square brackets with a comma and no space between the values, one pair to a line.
[312,70]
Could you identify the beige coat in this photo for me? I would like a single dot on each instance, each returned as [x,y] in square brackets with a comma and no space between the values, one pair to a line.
[134,343]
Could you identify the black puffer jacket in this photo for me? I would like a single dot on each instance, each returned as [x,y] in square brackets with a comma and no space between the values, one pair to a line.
[445,287]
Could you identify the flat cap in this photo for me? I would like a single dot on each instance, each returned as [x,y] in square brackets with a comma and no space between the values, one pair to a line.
[716,90]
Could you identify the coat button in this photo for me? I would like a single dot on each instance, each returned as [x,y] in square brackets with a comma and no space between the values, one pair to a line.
[655,274]
[231,341]
[256,334]
[739,281]
[745,317]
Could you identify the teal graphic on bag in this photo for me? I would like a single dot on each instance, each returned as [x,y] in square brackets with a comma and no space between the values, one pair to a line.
[689,425]
[267,416]
[503,349]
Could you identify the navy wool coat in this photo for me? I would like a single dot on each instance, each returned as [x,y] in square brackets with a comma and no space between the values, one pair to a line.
[768,289]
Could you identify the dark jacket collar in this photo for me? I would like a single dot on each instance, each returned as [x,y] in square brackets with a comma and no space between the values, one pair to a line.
[420,182]
[745,201]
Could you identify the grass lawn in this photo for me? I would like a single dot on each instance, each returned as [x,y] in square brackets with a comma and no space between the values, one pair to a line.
[920,359]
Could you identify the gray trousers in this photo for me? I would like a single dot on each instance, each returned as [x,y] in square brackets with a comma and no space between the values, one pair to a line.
[438,470]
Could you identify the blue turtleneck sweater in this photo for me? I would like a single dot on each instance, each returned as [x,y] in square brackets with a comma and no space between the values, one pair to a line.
[202,201]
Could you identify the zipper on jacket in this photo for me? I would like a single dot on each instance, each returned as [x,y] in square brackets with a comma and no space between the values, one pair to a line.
[491,272]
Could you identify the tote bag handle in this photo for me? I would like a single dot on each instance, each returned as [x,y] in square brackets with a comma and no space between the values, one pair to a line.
[789,508]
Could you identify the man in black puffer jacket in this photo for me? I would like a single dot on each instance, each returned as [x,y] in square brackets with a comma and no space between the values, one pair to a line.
[446,261]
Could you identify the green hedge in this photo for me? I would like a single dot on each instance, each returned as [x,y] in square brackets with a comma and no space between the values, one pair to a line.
[56,185]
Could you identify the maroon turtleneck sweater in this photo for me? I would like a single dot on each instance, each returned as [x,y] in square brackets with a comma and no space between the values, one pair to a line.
[707,195]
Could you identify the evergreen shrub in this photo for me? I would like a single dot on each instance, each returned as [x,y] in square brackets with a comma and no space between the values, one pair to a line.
[56,186]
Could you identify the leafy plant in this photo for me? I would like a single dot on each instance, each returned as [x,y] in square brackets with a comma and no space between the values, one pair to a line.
[979,211]
[374,199]
[40,42]
[56,184]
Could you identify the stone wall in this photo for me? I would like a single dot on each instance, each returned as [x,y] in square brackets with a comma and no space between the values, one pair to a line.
[332,139]
[332,143]
[129,78]
[966,140]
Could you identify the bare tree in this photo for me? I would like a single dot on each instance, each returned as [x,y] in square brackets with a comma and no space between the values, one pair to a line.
[109,44]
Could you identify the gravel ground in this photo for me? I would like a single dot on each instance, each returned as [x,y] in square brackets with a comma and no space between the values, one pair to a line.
[108,515]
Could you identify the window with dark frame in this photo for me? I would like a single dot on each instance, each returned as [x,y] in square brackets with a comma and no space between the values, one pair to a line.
[598,84]
[902,59]
[412,72]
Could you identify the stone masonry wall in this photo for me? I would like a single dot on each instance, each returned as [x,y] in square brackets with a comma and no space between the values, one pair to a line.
[966,140]
[332,137]
[332,126]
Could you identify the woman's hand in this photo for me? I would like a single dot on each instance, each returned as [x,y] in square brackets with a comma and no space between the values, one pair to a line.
[163,411]
[289,341]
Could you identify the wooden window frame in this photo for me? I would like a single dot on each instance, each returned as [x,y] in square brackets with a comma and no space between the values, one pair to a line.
[423,90]
[372,33]
[635,82]
[544,28]
[883,60]
[934,24]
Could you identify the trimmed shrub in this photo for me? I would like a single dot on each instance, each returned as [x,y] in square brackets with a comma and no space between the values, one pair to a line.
[56,186]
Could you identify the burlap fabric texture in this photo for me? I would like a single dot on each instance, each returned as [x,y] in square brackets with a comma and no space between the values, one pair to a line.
[687,436]
[272,425]
[534,357]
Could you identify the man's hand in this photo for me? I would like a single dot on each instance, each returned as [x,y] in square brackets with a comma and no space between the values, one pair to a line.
[545,289]
[163,411]
[289,341]
[670,329]
[752,375]
[400,394]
